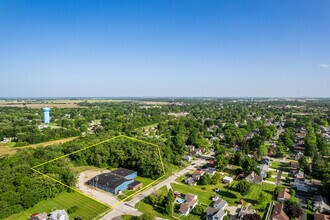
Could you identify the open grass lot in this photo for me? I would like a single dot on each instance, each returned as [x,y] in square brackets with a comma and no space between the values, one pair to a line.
[88,208]
[253,196]
[205,193]
[275,164]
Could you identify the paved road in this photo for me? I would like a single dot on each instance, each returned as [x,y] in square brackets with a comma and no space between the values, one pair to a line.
[279,176]
[128,207]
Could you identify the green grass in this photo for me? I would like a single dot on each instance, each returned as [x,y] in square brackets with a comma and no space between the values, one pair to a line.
[271,179]
[231,196]
[275,164]
[253,196]
[144,180]
[88,208]
[9,144]
[160,211]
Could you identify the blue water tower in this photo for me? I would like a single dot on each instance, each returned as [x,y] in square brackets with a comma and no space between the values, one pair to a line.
[46,115]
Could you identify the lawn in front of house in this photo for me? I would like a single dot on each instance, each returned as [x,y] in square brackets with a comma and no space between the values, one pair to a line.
[205,193]
[275,164]
[87,208]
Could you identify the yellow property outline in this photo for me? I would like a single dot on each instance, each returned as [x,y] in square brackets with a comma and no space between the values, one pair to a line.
[94,145]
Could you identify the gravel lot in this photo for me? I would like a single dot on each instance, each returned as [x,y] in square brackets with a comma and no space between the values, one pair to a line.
[98,194]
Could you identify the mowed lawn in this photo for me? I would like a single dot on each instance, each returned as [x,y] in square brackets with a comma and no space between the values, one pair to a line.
[205,193]
[88,208]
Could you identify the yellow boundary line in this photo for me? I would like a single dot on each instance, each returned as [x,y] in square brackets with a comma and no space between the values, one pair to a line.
[94,145]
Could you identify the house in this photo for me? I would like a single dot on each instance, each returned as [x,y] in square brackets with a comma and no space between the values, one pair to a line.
[116,181]
[278,213]
[215,198]
[59,215]
[293,165]
[227,180]
[188,205]
[39,216]
[187,158]
[210,171]
[298,155]
[299,176]
[321,217]
[300,186]
[195,151]
[321,204]
[266,160]
[190,181]
[215,214]
[220,204]
[198,174]
[283,195]
[244,210]
[263,171]
[254,178]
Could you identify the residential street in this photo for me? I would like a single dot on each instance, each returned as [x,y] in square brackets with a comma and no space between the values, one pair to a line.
[128,207]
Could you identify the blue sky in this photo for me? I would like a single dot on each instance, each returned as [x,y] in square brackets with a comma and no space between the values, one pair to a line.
[275,48]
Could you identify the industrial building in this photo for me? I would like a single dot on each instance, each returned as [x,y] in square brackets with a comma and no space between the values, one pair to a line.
[116,181]
[46,115]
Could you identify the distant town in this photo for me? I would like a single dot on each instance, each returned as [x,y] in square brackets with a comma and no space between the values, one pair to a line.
[224,158]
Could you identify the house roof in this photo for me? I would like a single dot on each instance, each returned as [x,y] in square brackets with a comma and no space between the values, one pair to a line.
[123,172]
[278,212]
[189,197]
[198,172]
[215,212]
[321,217]
[220,203]
[254,177]
[284,194]
[228,178]
[184,207]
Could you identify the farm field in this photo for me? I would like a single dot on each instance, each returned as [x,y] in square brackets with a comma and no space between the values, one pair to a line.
[9,148]
[88,208]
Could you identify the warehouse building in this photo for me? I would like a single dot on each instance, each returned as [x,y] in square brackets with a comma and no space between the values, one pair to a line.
[116,181]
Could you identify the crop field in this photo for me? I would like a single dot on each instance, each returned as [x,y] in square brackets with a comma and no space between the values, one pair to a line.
[88,208]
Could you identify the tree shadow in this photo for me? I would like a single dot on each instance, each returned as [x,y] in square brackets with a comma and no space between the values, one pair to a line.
[269,192]
[227,194]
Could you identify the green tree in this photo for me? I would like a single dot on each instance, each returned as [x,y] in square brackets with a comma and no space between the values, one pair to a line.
[244,187]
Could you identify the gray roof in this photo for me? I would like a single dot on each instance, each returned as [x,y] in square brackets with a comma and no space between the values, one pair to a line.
[215,212]
[220,203]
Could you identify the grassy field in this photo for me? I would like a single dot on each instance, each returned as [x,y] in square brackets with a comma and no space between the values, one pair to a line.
[88,208]
[9,148]
[275,164]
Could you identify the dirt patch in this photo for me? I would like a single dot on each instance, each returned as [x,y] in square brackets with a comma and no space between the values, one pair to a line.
[98,194]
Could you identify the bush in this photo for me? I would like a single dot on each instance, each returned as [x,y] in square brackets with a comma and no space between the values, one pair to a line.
[72,209]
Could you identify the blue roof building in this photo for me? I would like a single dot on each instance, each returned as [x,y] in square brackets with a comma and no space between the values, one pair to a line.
[115,181]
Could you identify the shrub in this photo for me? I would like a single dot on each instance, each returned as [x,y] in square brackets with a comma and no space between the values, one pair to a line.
[72,209]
